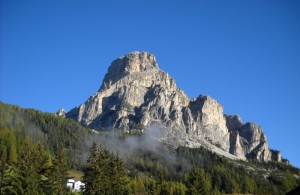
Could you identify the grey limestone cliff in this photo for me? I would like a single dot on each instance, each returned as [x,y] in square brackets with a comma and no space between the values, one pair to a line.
[136,94]
[248,140]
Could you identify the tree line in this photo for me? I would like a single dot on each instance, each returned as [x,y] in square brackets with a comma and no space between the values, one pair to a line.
[36,150]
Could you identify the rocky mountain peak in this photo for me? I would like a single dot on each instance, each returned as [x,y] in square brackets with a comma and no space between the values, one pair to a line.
[136,94]
[134,62]
[233,122]
[61,112]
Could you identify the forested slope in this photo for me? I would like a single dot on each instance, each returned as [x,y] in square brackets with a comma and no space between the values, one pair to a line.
[52,131]
[36,149]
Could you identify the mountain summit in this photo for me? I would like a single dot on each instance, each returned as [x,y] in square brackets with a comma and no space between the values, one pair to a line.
[137,96]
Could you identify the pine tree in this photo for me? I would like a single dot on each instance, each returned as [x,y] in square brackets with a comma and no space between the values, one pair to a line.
[161,183]
[121,178]
[216,191]
[196,182]
[91,171]
[32,166]
[3,154]
[8,150]
[139,186]
[104,173]
[10,182]
[57,175]
[12,153]
[112,176]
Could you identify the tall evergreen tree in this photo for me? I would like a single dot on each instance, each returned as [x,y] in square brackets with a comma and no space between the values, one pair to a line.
[120,178]
[57,175]
[104,173]
[195,181]
[91,171]
[32,165]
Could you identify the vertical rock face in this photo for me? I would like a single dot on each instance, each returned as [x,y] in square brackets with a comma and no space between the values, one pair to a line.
[136,94]
[248,140]
[211,124]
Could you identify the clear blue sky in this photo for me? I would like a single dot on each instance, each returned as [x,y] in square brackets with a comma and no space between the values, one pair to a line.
[245,54]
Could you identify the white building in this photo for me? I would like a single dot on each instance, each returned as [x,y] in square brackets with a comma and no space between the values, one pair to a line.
[70,183]
[78,185]
[75,185]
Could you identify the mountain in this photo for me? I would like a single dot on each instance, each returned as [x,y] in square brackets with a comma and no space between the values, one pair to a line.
[136,96]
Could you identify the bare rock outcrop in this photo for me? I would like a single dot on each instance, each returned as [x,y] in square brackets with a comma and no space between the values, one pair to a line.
[61,112]
[248,140]
[136,95]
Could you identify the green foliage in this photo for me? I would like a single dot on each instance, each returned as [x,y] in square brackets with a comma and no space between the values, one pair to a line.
[92,172]
[57,174]
[34,172]
[105,173]
[8,146]
[10,181]
[142,184]
[37,149]
[162,187]
[54,132]
[32,166]
[196,182]
[219,175]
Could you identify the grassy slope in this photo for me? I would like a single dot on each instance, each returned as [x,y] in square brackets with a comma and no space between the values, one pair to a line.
[77,175]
